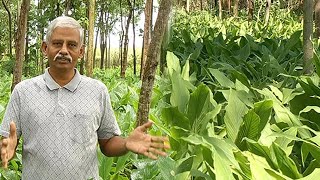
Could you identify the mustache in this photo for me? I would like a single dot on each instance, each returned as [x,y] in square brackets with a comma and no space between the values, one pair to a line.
[62,57]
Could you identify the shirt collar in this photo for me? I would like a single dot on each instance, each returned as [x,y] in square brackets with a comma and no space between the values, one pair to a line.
[71,86]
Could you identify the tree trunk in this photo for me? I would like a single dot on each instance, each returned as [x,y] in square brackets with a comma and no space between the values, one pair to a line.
[317,18]
[96,40]
[20,42]
[188,5]
[58,9]
[109,50]
[83,59]
[89,62]
[146,33]
[67,7]
[236,8]
[250,9]
[26,55]
[152,61]
[124,59]
[10,27]
[220,9]
[307,36]
[134,40]
[268,6]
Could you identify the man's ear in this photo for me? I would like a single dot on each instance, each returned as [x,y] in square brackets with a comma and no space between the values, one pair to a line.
[82,50]
[44,47]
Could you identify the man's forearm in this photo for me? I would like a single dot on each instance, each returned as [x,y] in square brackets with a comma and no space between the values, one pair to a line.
[115,146]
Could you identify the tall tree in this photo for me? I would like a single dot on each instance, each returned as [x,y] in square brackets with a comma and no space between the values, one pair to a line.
[146,33]
[10,25]
[220,9]
[68,5]
[152,61]
[89,62]
[236,8]
[124,60]
[268,6]
[317,18]
[250,9]
[20,42]
[307,36]
[134,40]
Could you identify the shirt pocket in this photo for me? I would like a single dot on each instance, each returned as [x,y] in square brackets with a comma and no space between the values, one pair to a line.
[82,128]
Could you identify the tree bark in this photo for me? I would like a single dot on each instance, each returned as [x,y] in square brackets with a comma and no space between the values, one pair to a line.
[250,10]
[307,36]
[20,42]
[10,26]
[188,5]
[236,8]
[317,18]
[124,60]
[89,62]
[220,9]
[134,40]
[152,61]
[26,55]
[268,6]
[146,34]
[68,4]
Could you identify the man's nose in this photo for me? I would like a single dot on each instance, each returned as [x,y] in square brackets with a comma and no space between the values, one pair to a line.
[64,49]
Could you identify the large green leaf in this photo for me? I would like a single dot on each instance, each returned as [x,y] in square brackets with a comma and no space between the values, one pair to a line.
[234,113]
[180,93]
[146,169]
[221,78]
[313,176]
[185,165]
[1,108]
[260,169]
[263,151]
[263,110]
[222,169]
[185,71]
[243,53]
[316,62]
[166,166]
[173,63]
[286,164]
[307,148]
[172,116]
[199,107]
[286,143]
[121,162]
[244,165]
[249,129]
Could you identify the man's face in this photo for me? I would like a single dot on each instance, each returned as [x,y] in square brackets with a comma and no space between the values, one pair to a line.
[63,48]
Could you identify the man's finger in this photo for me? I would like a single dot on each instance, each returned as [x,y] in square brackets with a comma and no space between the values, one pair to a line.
[157,151]
[146,126]
[13,129]
[4,158]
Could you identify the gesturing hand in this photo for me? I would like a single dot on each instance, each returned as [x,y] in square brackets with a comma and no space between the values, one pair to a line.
[8,145]
[142,143]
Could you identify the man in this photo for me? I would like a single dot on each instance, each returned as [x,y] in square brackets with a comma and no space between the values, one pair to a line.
[62,115]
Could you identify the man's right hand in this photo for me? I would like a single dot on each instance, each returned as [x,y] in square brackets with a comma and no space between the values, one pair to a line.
[8,145]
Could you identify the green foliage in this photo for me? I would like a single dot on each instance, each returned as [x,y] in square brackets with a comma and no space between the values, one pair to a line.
[241,49]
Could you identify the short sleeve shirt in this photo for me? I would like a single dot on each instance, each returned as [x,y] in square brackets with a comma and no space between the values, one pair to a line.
[60,126]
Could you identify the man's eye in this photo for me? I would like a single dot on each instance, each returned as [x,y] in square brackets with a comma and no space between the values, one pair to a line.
[57,44]
[73,45]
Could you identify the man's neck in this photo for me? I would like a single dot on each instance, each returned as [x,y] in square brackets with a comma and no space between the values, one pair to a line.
[61,77]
